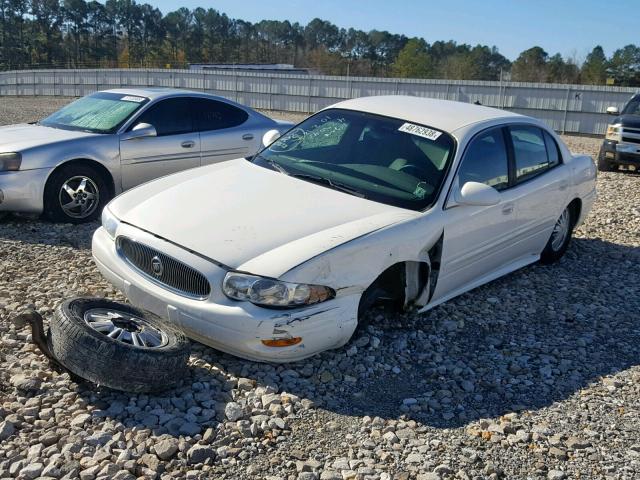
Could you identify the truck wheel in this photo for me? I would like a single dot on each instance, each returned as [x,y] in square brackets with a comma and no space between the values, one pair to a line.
[605,165]
[117,346]
[76,193]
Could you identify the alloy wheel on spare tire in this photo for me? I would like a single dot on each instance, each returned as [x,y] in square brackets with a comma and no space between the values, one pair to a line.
[76,193]
[117,346]
[560,238]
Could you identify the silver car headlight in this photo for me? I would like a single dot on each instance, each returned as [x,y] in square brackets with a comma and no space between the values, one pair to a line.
[614,132]
[10,162]
[268,292]
[109,222]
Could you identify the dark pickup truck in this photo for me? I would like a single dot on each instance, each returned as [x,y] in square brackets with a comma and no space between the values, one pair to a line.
[621,145]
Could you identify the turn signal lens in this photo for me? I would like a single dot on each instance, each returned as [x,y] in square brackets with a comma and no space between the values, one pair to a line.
[282,342]
[614,132]
[10,162]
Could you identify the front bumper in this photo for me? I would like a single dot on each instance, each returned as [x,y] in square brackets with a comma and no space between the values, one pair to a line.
[234,327]
[621,153]
[22,191]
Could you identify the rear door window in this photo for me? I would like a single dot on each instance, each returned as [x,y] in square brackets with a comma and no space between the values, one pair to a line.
[215,115]
[531,154]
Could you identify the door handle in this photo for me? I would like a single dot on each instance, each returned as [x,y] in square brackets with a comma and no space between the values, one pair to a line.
[564,184]
[188,144]
[247,136]
[507,209]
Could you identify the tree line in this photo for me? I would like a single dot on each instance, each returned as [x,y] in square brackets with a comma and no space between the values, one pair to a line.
[123,33]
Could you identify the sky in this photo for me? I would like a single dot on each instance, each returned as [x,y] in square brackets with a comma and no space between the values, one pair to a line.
[569,27]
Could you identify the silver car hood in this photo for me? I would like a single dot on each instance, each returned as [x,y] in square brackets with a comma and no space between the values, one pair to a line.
[16,138]
[235,212]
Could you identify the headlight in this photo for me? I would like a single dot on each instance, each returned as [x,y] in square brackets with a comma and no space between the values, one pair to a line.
[273,293]
[109,222]
[614,132]
[10,162]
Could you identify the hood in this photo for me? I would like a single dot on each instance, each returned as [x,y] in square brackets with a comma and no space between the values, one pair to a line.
[16,138]
[235,211]
[632,121]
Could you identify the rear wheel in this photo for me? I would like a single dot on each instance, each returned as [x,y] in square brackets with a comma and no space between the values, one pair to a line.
[560,238]
[75,193]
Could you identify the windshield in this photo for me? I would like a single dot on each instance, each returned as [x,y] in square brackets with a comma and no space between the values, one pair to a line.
[100,112]
[633,107]
[379,158]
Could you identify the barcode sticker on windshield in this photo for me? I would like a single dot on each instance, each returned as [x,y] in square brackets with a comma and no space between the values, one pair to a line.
[420,131]
[129,98]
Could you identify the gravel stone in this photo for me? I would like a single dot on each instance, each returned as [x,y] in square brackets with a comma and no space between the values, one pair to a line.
[200,453]
[166,448]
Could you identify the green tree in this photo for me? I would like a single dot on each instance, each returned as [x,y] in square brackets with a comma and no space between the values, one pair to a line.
[594,69]
[624,65]
[413,61]
[530,66]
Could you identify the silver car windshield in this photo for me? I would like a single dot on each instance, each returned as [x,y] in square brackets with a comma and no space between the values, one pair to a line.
[100,112]
[384,159]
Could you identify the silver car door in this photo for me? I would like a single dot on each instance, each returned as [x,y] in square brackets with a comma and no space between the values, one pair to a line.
[176,146]
[226,131]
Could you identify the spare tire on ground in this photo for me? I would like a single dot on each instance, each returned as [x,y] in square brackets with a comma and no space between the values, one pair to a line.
[117,346]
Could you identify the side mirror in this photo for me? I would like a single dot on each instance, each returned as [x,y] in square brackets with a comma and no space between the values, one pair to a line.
[475,193]
[613,111]
[141,130]
[270,137]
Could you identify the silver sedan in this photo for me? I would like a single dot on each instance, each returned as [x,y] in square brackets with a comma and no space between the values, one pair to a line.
[70,164]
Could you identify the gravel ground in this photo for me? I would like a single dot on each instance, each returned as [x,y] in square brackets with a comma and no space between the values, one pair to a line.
[533,376]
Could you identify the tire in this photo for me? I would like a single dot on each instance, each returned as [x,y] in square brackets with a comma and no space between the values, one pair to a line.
[555,248]
[72,175]
[117,364]
[605,165]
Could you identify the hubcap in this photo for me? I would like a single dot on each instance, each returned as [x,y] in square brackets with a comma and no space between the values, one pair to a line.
[560,231]
[79,197]
[125,328]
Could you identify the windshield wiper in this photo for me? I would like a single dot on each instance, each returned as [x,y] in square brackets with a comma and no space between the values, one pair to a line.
[330,183]
[273,163]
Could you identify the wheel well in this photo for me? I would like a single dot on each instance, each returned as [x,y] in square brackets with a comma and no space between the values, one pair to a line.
[575,207]
[398,286]
[106,174]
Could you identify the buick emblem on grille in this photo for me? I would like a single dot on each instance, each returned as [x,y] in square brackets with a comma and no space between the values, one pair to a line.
[156,266]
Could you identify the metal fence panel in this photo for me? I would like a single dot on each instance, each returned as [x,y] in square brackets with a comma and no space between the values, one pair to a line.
[566,108]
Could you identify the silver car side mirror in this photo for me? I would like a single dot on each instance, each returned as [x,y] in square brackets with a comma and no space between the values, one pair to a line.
[479,194]
[270,137]
[613,111]
[141,130]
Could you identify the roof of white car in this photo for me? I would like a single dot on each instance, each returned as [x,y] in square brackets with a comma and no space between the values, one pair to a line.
[441,114]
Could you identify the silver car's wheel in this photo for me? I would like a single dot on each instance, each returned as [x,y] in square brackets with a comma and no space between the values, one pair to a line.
[76,193]
[79,197]
[125,327]
[561,230]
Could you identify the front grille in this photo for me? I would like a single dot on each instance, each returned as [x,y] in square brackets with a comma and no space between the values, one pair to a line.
[164,270]
[630,135]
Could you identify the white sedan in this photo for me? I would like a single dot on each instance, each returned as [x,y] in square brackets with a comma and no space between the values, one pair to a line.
[391,198]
